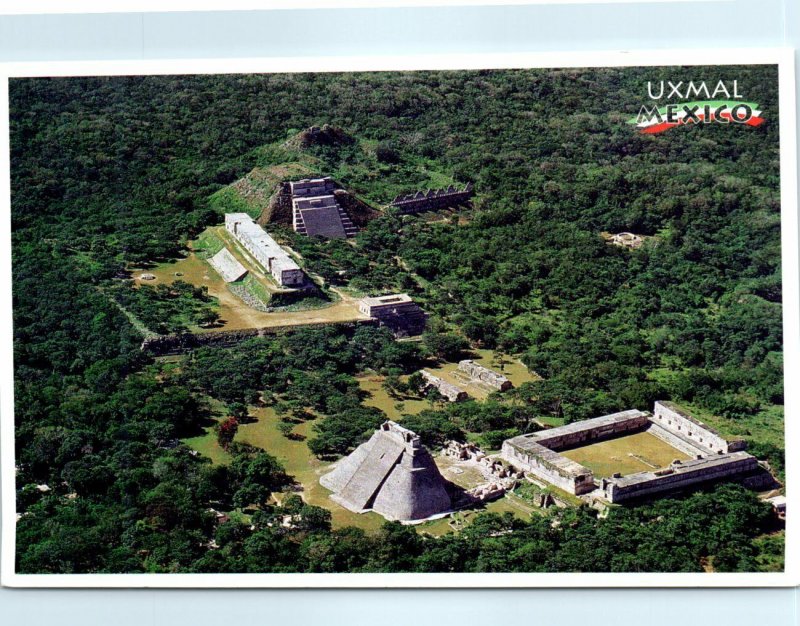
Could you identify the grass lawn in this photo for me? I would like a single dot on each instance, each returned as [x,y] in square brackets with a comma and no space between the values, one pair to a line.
[380,399]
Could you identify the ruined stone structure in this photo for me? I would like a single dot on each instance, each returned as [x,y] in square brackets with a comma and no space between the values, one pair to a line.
[627,240]
[713,458]
[392,474]
[316,211]
[398,312]
[265,250]
[778,506]
[463,451]
[451,392]
[227,266]
[432,200]
[500,476]
[483,374]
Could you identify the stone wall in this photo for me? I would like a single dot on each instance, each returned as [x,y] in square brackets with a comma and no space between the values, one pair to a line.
[671,417]
[165,345]
[452,392]
[735,465]
[676,440]
[550,466]
[597,429]
[432,199]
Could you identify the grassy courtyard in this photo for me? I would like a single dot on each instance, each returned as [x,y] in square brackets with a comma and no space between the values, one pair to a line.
[639,452]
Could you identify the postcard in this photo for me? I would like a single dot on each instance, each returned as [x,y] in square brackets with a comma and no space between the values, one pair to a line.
[473,321]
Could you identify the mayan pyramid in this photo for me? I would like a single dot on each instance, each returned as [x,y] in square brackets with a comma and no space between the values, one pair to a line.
[391,474]
[315,210]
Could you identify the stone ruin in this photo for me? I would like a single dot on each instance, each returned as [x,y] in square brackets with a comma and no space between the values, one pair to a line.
[482,374]
[391,474]
[432,200]
[486,493]
[500,476]
[316,211]
[463,451]
[712,457]
[397,312]
[451,392]
[627,240]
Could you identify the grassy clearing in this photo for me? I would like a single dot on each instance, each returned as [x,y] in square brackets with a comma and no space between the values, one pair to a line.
[461,519]
[511,367]
[294,455]
[379,398]
[551,422]
[766,426]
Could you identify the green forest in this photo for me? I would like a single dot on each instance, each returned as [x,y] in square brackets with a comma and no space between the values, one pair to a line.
[114,173]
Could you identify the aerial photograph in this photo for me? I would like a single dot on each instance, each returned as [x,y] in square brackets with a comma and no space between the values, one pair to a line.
[433,321]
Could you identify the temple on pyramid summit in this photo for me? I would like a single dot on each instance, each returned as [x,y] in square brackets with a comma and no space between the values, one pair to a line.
[392,474]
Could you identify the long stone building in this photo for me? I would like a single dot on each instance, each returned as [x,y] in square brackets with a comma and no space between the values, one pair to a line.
[451,392]
[478,372]
[711,457]
[316,211]
[432,199]
[265,250]
[392,474]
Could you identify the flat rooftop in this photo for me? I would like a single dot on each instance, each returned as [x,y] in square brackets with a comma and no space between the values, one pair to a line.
[531,440]
[397,298]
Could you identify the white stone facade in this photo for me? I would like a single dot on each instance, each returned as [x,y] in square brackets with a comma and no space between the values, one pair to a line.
[265,250]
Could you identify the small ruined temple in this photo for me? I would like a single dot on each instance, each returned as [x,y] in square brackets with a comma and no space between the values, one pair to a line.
[432,199]
[392,474]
